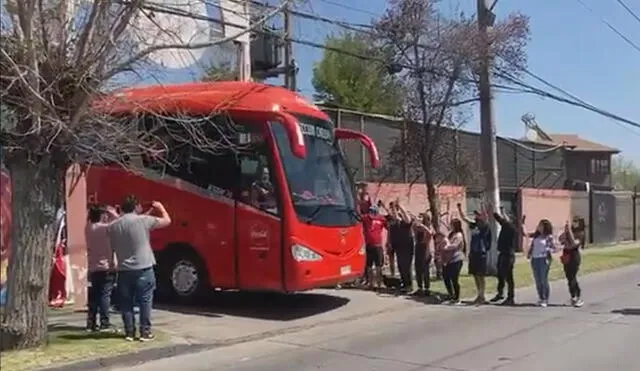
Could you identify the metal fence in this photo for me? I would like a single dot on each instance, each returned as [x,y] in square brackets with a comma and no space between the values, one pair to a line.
[613,217]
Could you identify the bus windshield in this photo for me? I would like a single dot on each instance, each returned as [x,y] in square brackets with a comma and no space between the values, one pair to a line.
[319,184]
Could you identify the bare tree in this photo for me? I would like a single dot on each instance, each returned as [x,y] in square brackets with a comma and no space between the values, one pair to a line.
[57,57]
[440,57]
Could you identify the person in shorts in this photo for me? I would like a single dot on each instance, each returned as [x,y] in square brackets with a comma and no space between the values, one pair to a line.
[374,225]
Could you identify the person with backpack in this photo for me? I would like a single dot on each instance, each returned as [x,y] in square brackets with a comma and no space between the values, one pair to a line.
[572,240]
[540,255]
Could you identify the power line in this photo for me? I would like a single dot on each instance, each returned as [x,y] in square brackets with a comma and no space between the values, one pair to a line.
[611,27]
[537,91]
[340,5]
[629,10]
[529,89]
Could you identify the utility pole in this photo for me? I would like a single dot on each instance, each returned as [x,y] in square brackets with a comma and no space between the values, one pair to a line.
[289,63]
[488,147]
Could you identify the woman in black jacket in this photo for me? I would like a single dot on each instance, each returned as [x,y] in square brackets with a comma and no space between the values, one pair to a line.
[573,240]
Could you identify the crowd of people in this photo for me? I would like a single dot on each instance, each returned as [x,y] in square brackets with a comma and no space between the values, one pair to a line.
[120,261]
[416,239]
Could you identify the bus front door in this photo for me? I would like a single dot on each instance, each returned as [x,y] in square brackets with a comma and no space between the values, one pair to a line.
[258,226]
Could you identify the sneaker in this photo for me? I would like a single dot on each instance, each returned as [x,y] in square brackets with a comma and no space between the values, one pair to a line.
[497,298]
[543,304]
[147,337]
[456,303]
[129,337]
[578,303]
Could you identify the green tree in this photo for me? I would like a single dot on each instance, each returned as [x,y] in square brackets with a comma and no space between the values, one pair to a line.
[625,173]
[353,83]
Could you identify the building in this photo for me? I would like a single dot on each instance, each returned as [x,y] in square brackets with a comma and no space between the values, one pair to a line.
[551,161]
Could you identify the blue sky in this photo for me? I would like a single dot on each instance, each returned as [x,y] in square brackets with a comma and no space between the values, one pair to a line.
[570,47]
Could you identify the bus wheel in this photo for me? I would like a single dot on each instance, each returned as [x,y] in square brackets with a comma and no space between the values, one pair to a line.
[185,277]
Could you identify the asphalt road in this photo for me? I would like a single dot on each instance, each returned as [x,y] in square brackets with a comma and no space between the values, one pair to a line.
[603,335]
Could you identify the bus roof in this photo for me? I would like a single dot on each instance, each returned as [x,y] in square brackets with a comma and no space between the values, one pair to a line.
[207,97]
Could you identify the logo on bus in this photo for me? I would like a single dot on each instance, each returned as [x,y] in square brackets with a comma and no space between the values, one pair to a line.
[258,237]
[343,236]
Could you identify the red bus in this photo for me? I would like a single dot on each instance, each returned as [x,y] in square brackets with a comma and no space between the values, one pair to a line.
[278,215]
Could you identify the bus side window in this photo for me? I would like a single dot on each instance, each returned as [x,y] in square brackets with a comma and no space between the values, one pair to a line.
[215,173]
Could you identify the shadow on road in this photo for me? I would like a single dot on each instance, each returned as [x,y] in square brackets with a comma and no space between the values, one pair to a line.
[269,306]
[627,311]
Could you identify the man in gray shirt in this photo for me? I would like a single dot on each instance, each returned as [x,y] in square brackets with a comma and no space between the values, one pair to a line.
[129,238]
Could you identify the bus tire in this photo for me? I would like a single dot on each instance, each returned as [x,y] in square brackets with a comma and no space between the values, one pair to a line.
[182,277]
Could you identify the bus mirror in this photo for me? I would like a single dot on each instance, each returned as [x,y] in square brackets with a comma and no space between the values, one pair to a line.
[364,140]
[294,133]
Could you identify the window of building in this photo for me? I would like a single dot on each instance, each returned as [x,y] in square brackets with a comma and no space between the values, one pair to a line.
[599,166]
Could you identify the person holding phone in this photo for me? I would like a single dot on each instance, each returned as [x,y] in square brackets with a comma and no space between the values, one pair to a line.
[542,246]
[572,240]
[130,240]
[478,249]
[400,232]
[506,258]
[424,233]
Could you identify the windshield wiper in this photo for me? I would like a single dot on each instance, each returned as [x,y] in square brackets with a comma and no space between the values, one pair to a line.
[314,213]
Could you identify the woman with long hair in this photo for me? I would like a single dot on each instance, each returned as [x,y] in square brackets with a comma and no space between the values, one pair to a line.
[453,250]
[573,240]
[542,246]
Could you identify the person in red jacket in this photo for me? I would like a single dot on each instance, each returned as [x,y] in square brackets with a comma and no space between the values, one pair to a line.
[373,225]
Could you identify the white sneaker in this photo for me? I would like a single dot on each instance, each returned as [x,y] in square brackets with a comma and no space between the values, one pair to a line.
[543,304]
[578,303]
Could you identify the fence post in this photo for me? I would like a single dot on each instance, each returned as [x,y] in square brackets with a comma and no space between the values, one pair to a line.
[634,207]
[590,212]
[363,155]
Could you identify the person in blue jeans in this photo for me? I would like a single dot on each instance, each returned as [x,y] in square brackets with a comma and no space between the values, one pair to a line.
[129,238]
[542,246]
[101,265]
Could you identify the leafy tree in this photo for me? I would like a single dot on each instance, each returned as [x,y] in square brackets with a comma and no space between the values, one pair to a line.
[441,56]
[352,82]
[625,173]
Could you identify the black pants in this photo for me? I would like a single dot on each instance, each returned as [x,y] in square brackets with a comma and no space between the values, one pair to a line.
[100,298]
[571,272]
[451,278]
[505,274]
[404,257]
[422,263]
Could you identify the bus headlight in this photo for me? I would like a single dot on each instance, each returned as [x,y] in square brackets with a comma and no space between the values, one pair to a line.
[363,249]
[301,253]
